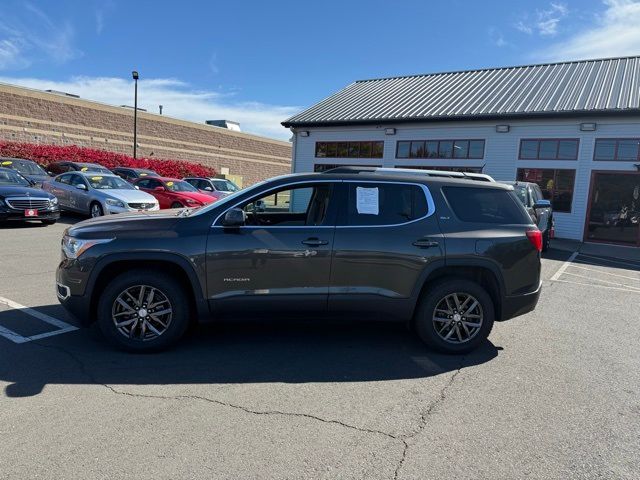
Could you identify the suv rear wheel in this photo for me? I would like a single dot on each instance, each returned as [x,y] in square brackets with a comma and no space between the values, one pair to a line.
[455,316]
[143,311]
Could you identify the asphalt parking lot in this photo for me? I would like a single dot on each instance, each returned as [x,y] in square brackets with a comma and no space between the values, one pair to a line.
[554,394]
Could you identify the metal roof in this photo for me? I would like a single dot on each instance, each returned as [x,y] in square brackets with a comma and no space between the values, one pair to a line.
[588,87]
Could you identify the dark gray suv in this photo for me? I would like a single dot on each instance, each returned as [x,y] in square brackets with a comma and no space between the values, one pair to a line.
[448,255]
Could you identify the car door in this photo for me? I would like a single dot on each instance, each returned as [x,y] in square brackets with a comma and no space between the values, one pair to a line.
[78,197]
[149,185]
[60,187]
[386,239]
[542,215]
[280,260]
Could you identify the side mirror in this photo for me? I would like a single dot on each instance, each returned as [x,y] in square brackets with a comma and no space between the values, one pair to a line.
[542,204]
[260,206]
[159,189]
[234,218]
[136,187]
[50,173]
[81,186]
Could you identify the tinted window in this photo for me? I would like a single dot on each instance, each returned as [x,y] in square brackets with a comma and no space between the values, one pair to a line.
[349,149]
[486,205]
[149,183]
[396,203]
[549,149]
[64,179]
[555,185]
[77,180]
[108,183]
[624,149]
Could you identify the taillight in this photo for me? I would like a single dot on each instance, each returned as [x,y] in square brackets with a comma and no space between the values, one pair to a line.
[535,237]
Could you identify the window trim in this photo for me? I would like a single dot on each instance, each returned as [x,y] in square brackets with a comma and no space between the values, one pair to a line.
[438,140]
[431,208]
[573,190]
[551,139]
[615,154]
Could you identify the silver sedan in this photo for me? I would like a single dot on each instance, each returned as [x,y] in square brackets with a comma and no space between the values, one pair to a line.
[98,194]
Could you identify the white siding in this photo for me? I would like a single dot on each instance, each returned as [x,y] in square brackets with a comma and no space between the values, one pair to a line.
[500,156]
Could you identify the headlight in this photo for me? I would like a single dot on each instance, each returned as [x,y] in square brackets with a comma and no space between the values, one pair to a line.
[53,201]
[192,201]
[115,203]
[74,247]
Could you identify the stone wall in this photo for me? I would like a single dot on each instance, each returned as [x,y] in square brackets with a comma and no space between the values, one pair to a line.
[39,117]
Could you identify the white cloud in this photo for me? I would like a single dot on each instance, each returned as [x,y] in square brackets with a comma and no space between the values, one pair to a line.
[497,38]
[29,35]
[616,32]
[544,22]
[178,99]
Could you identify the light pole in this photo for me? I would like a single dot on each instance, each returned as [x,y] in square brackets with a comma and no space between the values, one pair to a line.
[135,76]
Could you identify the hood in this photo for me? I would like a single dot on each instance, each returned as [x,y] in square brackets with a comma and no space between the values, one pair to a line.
[129,196]
[19,191]
[200,197]
[160,222]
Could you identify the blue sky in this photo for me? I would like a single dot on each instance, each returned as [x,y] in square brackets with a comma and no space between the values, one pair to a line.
[258,62]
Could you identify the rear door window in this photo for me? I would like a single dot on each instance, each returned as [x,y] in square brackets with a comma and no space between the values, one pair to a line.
[385,203]
[486,205]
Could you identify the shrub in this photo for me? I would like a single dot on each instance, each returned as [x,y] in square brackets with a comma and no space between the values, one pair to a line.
[46,154]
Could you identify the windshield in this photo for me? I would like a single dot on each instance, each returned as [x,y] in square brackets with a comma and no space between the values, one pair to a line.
[109,183]
[7,177]
[25,168]
[180,186]
[226,185]
[521,193]
[87,167]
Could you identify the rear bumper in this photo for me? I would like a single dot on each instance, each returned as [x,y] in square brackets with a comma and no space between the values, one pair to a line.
[516,305]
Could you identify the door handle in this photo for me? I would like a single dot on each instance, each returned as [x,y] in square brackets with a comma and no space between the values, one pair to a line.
[425,243]
[314,242]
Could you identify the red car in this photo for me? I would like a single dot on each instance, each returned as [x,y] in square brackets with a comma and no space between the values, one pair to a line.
[173,193]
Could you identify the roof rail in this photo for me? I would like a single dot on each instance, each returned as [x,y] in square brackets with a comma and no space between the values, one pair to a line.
[480,177]
[347,169]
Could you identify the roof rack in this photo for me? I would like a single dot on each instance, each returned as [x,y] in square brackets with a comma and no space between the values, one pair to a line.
[480,177]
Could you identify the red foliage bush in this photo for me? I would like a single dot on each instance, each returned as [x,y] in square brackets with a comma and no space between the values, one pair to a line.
[46,154]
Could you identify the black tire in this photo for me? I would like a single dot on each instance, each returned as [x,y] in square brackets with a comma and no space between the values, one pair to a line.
[433,296]
[168,287]
[176,205]
[546,240]
[97,208]
[48,222]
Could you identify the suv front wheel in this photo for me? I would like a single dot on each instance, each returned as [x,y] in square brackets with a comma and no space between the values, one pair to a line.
[143,311]
[454,316]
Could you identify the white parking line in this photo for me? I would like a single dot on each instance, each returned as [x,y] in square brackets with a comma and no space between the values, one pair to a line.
[564,266]
[577,265]
[630,287]
[61,327]
[598,286]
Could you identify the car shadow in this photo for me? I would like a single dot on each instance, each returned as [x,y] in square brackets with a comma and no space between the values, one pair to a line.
[275,351]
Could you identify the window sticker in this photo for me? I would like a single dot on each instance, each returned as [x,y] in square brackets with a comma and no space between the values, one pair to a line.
[169,184]
[367,200]
[7,162]
[84,169]
[96,178]
[144,174]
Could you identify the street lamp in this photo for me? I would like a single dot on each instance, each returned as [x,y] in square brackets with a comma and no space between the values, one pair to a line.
[135,76]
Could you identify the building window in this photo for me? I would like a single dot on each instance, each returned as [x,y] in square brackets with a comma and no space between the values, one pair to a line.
[549,149]
[440,149]
[349,149]
[441,168]
[323,167]
[556,185]
[617,149]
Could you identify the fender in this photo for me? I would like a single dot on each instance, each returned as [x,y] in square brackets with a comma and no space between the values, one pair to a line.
[481,262]
[176,259]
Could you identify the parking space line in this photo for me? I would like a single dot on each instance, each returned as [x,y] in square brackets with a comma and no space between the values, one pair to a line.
[607,260]
[564,266]
[598,286]
[579,265]
[630,287]
[61,327]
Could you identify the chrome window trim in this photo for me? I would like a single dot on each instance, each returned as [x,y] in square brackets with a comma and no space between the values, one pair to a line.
[431,208]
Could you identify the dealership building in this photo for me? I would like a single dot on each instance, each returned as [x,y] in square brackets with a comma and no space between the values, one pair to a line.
[573,128]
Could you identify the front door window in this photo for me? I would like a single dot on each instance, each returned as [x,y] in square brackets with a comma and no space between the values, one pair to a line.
[614,213]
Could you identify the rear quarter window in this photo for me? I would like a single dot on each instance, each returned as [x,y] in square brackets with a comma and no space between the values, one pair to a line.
[486,205]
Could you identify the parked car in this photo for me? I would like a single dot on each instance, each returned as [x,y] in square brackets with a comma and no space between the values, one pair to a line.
[27,168]
[204,186]
[97,194]
[213,184]
[61,167]
[173,193]
[20,201]
[130,174]
[450,256]
[540,209]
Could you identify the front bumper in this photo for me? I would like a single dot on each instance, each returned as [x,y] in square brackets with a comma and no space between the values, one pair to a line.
[516,305]
[70,290]
[13,214]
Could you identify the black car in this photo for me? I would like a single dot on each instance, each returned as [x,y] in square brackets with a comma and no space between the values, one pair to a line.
[447,255]
[57,168]
[28,168]
[19,201]
[538,207]
[131,174]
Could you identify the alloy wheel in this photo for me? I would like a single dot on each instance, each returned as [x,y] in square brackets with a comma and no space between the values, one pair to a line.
[458,318]
[142,313]
[96,211]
